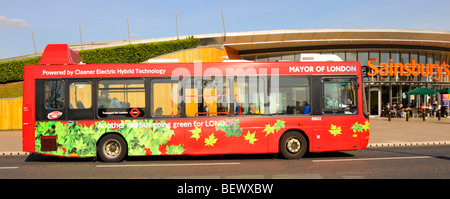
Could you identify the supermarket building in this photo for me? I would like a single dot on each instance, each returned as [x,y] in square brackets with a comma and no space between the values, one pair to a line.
[394,61]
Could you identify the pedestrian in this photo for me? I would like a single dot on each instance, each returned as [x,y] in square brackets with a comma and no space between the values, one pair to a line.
[394,110]
[402,111]
[430,109]
[387,108]
[422,108]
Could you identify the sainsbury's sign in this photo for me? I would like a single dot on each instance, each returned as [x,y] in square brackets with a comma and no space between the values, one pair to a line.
[408,69]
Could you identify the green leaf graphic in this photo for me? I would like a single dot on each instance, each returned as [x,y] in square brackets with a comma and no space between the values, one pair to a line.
[175,149]
[335,130]
[250,137]
[211,140]
[196,133]
[276,127]
[230,129]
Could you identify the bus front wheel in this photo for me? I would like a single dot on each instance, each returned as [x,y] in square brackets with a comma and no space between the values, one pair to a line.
[293,145]
[112,148]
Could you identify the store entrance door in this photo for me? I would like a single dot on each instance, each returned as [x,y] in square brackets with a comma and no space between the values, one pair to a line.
[375,101]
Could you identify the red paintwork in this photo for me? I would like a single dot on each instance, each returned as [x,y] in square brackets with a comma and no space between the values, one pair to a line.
[316,131]
[57,54]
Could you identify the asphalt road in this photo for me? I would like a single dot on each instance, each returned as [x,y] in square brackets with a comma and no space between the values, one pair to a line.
[404,162]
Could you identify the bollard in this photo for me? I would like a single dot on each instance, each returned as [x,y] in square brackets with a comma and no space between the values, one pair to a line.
[423,115]
[389,117]
[407,115]
[439,115]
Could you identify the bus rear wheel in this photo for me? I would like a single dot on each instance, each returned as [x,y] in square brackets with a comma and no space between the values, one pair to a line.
[293,145]
[112,148]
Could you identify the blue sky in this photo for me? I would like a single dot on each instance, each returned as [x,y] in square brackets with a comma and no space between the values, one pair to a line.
[56,21]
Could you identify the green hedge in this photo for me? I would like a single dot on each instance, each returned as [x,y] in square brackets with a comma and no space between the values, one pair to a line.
[11,71]
[136,53]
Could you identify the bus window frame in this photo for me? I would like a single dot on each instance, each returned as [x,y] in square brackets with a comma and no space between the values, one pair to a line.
[266,106]
[63,94]
[310,86]
[233,101]
[151,82]
[81,114]
[121,117]
[192,83]
[355,101]
[90,81]
[41,110]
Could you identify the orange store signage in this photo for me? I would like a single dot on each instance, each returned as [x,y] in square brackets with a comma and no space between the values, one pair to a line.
[408,69]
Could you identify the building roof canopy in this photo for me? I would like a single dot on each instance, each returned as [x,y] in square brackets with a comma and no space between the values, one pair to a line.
[243,41]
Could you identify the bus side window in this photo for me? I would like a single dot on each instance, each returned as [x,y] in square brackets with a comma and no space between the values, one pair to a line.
[165,99]
[248,96]
[292,98]
[80,95]
[116,98]
[54,94]
[339,96]
[207,98]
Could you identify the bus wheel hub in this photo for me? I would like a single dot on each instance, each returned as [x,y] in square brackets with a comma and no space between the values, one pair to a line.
[112,148]
[293,145]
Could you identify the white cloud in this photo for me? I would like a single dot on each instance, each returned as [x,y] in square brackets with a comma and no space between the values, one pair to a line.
[15,23]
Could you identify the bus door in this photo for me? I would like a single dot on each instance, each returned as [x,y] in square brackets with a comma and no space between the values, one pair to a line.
[333,129]
[51,106]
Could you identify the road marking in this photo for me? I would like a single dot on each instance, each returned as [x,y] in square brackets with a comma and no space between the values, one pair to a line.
[365,159]
[353,177]
[9,167]
[170,165]
[397,143]
[297,176]
[245,177]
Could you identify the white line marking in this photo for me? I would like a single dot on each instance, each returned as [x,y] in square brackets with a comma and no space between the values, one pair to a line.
[171,165]
[9,167]
[298,176]
[364,159]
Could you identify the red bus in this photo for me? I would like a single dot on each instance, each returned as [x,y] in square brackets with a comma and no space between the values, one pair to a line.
[72,109]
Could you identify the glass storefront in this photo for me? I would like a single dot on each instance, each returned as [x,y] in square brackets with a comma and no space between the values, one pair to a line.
[381,90]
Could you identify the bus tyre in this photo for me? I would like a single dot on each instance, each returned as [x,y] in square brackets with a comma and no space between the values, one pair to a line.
[112,148]
[293,145]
